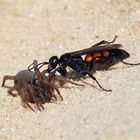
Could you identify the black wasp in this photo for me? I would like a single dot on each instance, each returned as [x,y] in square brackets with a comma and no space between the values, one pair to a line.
[100,56]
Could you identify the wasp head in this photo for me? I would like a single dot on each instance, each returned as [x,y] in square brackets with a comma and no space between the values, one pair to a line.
[53,62]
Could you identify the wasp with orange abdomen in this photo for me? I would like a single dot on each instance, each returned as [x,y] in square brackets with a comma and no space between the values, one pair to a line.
[100,56]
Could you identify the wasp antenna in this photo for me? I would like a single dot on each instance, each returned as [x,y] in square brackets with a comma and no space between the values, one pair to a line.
[40,65]
[91,76]
[29,67]
[131,64]
[114,39]
[104,42]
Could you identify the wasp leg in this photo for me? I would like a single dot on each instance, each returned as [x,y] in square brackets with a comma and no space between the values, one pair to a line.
[130,63]
[91,76]
[65,80]
[106,42]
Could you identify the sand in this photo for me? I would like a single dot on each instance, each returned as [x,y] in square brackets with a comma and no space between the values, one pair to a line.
[32,29]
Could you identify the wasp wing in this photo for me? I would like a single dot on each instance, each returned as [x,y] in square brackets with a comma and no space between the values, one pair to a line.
[95,48]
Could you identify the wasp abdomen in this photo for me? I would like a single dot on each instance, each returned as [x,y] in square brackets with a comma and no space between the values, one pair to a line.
[115,54]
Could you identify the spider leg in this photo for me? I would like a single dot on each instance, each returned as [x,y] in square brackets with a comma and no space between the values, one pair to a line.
[37,102]
[7,77]
[25,99]
[11,93]
[57,90]
[50,88]
[39,94]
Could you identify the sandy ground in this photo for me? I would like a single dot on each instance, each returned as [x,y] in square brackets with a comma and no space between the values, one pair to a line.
[38,29]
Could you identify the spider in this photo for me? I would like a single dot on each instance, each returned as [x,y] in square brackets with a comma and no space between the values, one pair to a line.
[36,87]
